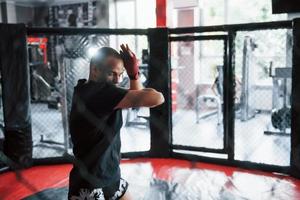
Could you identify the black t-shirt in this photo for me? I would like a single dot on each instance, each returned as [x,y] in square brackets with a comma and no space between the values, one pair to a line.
[95,131]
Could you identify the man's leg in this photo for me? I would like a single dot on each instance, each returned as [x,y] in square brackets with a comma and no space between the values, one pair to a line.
[126,196]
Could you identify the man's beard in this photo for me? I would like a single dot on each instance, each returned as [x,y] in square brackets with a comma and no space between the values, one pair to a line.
[107,80]
[102,78]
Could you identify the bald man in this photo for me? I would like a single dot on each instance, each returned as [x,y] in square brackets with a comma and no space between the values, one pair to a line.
[96,120]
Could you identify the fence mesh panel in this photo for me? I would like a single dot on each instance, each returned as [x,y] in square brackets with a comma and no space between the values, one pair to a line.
[52,86]
[263,63]
[197,93]
[262,95]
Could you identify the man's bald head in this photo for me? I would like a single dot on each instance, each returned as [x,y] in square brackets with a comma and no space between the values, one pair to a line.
[99,59]
[106,64]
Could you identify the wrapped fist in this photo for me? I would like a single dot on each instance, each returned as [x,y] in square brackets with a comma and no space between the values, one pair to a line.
[130,62]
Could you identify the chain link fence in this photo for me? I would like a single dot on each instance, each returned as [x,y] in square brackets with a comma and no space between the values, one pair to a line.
[263,63]
[52,85]
[262,95]
[197,90]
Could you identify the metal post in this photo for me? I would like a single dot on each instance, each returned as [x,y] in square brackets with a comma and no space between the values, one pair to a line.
[64,105]
[295,128]
[160,79]
[229,114]
[16,93]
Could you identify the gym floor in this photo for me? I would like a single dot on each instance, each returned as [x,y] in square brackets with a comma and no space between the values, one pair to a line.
[251,144]
[158,179]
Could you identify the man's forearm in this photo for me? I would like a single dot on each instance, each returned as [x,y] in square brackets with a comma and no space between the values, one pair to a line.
[136,85]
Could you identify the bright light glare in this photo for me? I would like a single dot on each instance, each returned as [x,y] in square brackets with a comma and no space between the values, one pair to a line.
[91,51]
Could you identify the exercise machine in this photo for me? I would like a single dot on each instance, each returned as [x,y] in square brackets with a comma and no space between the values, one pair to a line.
[281,109]
[247,102]
[217,99]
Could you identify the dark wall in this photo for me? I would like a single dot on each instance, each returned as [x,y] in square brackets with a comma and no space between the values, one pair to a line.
[40,17]
[24,14]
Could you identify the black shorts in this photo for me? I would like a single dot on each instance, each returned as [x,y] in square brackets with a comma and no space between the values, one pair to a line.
[112,192]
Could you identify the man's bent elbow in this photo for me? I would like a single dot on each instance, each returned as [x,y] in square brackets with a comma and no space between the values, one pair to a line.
[161,99]
[158,100]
